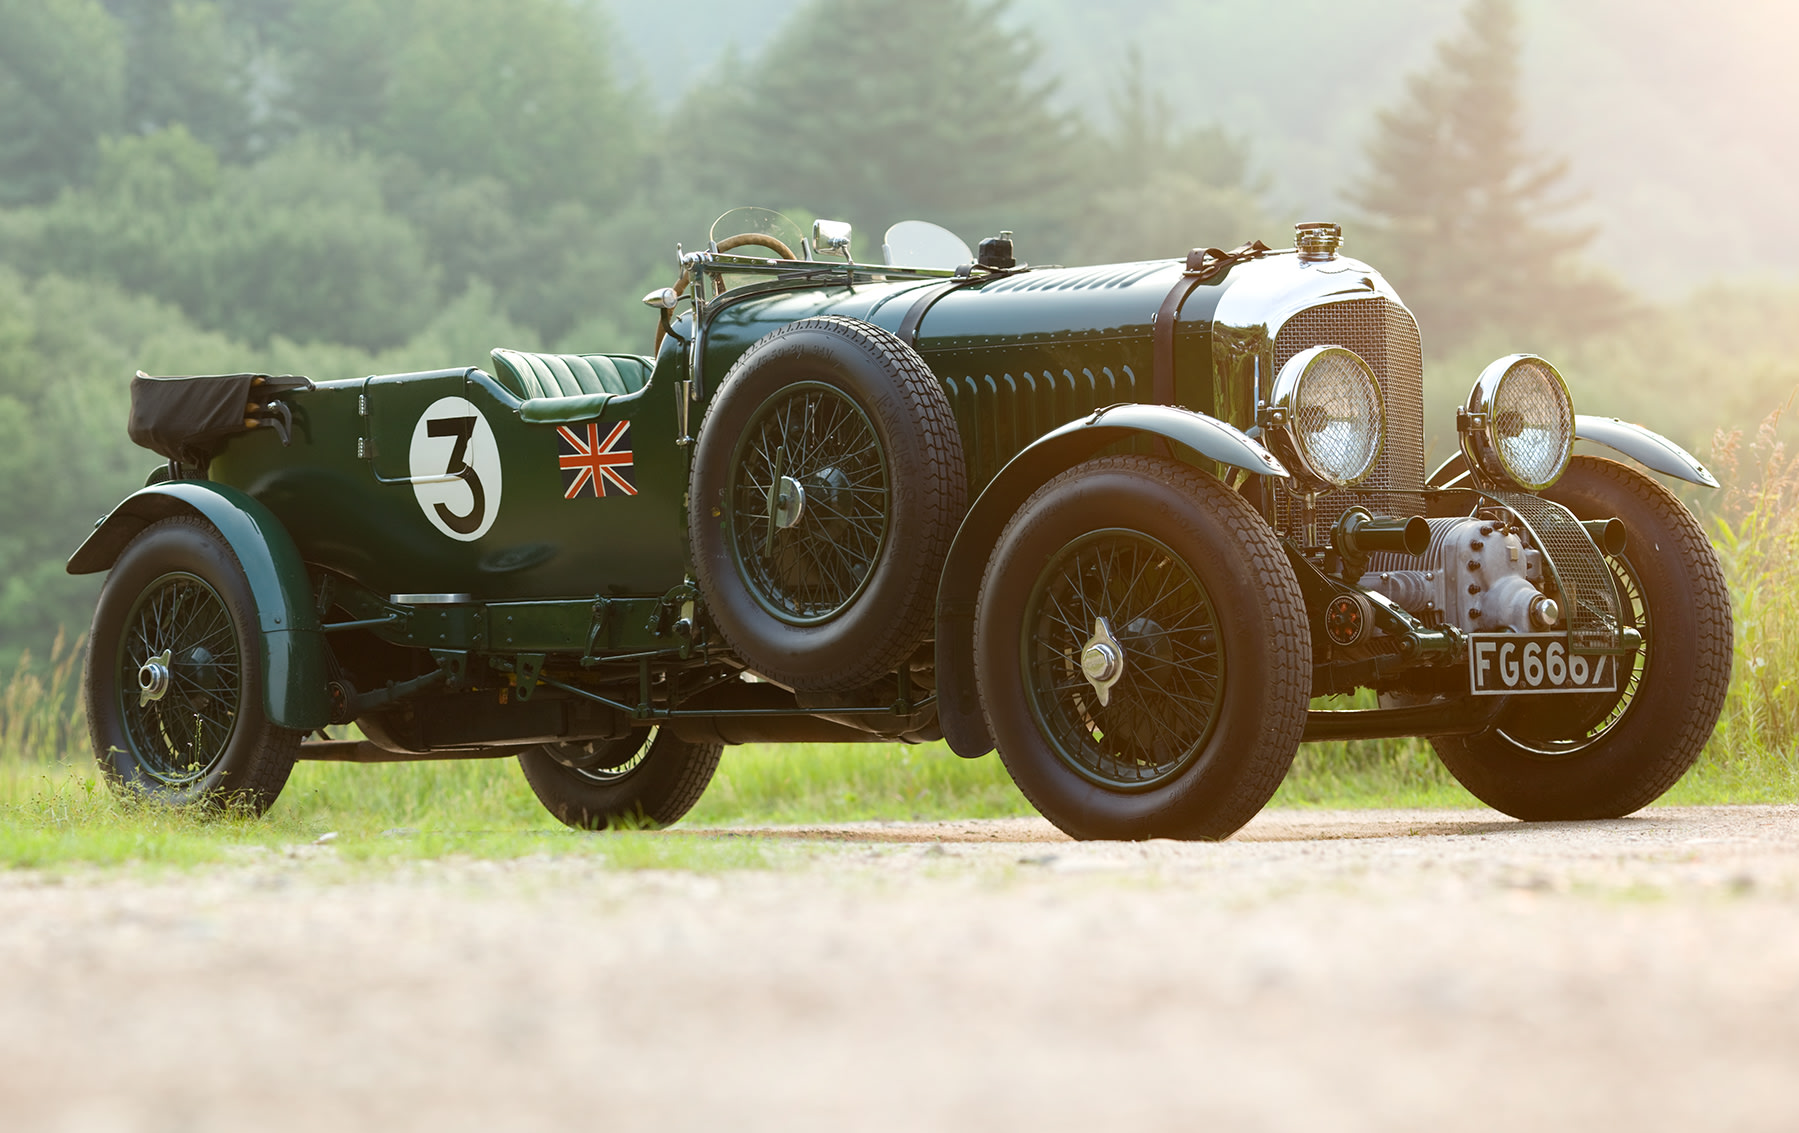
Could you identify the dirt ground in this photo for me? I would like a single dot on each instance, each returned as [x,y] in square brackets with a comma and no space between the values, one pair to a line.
[1321,971]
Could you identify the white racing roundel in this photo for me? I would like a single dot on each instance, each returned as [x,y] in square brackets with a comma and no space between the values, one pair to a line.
[456,468]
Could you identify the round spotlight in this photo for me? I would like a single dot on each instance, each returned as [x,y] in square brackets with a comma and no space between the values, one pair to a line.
[1519,423]
[1327,408]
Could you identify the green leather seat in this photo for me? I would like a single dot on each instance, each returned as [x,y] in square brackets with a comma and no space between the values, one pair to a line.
[569,387]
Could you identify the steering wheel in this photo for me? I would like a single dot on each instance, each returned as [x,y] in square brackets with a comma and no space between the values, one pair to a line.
[729,243]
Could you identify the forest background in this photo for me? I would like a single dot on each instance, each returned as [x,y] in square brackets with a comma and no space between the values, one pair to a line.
[343,187]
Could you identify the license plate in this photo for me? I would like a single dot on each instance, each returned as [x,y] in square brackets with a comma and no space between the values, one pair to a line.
[1508,664]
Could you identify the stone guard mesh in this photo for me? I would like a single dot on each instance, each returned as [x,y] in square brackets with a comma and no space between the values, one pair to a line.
[1588,590]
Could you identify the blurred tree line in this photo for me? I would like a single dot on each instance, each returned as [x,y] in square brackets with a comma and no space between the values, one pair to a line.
[335,187]
[339,187]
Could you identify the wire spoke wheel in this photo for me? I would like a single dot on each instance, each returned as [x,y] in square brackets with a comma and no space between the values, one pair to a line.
[1572,724]
[810,503]
[602,761]
[827,487]
[1603,755]
[1141,652]
[180,679]
[176,706]
[1169,684]
[651,777]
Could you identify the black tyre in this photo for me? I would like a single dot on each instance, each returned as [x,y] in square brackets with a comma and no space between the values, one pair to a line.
[174,676]
[1607,754]
[1169,584]
[650,778]
[826,489]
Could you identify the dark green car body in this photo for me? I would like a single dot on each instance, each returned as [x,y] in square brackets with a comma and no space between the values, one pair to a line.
[425,568]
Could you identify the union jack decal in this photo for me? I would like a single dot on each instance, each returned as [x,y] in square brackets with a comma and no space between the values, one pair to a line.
[591,466]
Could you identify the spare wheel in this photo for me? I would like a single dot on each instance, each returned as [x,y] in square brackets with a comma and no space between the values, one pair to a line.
[827,486]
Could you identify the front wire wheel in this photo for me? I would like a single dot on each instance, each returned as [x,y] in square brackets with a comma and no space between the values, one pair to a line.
[1574,722]
[1608,754]
[174,676]
[1142,652]
[1124,592]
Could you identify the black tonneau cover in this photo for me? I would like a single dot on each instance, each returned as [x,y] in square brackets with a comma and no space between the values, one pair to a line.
[188,419]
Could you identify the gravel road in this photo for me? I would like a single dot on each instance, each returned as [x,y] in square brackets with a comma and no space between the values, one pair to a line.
[1321,971]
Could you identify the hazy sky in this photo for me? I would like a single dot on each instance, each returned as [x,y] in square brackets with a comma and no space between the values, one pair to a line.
[1679,116]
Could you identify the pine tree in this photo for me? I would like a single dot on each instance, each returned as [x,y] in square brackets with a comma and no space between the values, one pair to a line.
[875,111]
[1460,213]
[1158,188]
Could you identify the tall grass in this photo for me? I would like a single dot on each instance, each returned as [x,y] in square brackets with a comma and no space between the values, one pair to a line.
[40,714]
[1752,754]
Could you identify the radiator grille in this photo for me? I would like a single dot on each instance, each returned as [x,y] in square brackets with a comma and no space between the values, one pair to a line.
[1385,336]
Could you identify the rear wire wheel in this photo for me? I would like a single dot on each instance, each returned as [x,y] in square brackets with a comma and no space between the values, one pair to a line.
[174,676]
[1142,652]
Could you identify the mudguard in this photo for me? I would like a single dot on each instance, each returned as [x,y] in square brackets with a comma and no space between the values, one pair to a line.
[1650,449]
[1645,446]
[293,648]
[958,702]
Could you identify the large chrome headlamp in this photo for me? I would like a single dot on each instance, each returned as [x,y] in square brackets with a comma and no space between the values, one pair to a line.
[1326,414]
[1519,423]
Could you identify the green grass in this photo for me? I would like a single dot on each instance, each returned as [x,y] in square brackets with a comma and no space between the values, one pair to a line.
[59,815]
[798,783]
[56,814]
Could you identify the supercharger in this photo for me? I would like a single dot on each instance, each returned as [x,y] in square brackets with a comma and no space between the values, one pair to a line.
[1479,574]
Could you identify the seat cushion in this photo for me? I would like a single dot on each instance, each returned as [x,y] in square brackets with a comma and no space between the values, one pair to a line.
[570,375]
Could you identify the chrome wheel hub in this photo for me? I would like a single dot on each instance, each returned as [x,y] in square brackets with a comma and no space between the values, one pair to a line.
[153,679]
[789,502]
[1102,661]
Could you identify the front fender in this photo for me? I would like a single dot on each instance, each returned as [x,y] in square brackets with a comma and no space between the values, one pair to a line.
[1645,446]
[1650,449]
[958,702]
[293,648]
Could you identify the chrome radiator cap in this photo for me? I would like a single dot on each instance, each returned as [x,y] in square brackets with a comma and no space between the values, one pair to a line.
[1317,240]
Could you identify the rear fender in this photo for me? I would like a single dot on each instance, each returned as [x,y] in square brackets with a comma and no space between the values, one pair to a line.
[958,702]
[1648,448]
[293,648]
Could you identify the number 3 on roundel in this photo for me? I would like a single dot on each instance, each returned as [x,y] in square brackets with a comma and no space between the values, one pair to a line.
[455,464]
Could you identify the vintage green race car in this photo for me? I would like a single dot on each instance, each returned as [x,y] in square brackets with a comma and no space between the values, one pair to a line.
[1121,523]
